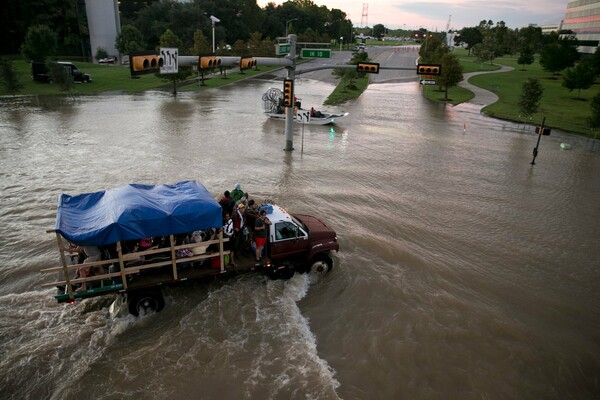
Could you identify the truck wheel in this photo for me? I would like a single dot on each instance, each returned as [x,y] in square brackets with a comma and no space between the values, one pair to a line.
[320,265]
[145,301]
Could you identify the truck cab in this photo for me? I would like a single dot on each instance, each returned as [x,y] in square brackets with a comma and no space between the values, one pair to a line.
[298,243]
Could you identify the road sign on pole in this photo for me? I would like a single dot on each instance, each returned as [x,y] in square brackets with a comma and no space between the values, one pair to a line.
[170,63]
[283,49]
[428,82]
[316,53]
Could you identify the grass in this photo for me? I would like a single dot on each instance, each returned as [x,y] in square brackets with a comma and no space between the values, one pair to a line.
[562,109]
[345,91]
[456,94]
[116,78]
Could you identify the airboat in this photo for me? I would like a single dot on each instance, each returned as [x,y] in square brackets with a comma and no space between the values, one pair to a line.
[274,109]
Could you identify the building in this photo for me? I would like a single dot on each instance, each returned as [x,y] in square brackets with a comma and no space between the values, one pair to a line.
[583,19]
[104,25]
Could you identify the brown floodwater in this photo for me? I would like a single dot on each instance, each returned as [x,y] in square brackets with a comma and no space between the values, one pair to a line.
[464,271]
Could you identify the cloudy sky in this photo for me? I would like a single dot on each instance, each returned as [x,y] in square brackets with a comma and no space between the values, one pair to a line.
[433,14]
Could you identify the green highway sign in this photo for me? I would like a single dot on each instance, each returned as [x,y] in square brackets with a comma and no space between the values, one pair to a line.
[282,49]
[316,53]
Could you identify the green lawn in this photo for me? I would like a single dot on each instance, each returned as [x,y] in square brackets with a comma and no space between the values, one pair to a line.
[116,79]
[563,109]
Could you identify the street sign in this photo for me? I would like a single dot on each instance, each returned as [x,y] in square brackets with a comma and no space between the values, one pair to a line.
[316,53]
[303,116]
[170,64]
[428,82]
[282,49]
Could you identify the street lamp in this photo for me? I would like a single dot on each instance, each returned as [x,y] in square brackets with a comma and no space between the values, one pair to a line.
[341,41]
[287,23]
[214,21]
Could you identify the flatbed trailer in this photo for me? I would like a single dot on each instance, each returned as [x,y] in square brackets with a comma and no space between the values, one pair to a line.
[160,267]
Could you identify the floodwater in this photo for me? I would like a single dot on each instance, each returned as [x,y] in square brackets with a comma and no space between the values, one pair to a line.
[464,271]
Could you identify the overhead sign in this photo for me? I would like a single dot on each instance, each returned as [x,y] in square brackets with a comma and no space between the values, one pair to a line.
[316,53]
[282,49]
[428,82]
[170,63]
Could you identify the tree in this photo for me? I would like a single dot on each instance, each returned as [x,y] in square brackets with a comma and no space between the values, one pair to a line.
[525,56]
[531,37]
[582,76]
[531,94]
[378,31]
[559,55]
[470,36]
[9,77]
[596,61]
[451,72]
[201,44]
[594,119]
[485,51]
[61,77]
[101,53]
[40,42]
[129,40]
[433,49]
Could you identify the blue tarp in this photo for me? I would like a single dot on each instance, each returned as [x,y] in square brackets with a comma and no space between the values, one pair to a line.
[136,211]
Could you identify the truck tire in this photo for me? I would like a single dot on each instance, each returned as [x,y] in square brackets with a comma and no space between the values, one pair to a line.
[145,301]
[321,264]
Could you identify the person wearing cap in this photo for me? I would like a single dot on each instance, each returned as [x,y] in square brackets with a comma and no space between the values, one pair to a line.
[239,222]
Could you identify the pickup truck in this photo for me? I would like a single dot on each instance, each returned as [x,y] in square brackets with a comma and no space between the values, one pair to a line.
[116,222]
[39,72]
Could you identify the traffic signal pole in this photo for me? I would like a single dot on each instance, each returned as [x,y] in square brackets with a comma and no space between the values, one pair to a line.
[289,111]
[535,149]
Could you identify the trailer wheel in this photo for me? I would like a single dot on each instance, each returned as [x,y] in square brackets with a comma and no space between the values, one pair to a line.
[145,301]
[320,265]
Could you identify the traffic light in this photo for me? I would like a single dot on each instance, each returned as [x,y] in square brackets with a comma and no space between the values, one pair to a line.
[144,64]
[247,63]
[429,69]
[371,68]
[209,62]
[288,93]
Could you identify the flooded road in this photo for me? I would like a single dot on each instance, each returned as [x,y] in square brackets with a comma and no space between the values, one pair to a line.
[464,271]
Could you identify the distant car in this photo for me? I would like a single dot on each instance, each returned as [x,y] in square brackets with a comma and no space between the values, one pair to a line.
[108,60]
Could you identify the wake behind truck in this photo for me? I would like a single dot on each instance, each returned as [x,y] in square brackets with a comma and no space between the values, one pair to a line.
[136,233]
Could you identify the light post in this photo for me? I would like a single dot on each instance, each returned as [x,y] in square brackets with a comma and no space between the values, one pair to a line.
[341,41]
[214,21]
[287,24]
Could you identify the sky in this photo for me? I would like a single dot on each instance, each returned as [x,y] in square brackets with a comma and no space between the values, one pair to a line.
[433,15]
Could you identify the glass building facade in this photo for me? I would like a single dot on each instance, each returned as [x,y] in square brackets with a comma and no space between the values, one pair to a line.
[583,18]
